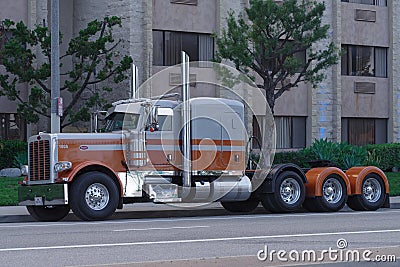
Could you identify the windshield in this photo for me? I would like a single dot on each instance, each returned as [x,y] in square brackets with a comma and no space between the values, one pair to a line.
[120,121]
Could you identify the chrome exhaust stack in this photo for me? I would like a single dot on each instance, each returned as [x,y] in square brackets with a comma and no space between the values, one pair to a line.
[134,82]
[187,167]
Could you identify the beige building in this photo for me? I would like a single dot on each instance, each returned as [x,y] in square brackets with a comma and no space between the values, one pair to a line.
[358,102]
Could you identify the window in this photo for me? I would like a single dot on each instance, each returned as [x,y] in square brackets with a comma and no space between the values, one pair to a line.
[364,61]
[256,142]
[363,131]
[167,47]
[165,122]
[368,2]
[290,132]
[299,58]
[120,121]
[12,127]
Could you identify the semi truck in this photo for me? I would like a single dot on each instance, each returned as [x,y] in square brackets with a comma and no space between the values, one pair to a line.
[189,150]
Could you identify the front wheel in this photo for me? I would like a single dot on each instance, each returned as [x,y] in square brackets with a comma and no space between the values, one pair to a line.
[288,196]
[48,213]
[372,194]
[241,206]
[94,196]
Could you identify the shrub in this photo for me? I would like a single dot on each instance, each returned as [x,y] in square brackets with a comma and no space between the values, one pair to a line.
[325,150]
[384,156]
[300,158]
[21,159]
[340,154]
[9,149]
[351,156]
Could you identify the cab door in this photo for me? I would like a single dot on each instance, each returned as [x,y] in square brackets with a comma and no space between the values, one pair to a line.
[160,144]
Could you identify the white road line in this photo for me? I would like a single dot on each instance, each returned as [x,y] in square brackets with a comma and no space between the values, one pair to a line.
[211,218]
[197,240]
[165,228]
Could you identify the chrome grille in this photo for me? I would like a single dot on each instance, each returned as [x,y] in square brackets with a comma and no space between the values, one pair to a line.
[39,160]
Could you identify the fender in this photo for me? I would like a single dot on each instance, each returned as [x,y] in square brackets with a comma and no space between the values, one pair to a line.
[357,174]
[92,165]
[268,186]
[317,176]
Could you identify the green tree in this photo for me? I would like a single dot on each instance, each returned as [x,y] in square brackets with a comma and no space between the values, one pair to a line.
[268,39]
[93,54]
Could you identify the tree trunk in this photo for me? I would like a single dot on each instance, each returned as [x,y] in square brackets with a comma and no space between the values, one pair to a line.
[268,139]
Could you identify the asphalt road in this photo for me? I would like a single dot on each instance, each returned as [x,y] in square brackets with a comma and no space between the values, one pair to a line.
[227,240]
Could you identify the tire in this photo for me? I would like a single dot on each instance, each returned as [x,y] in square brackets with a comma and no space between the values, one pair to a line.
[288,196]
[241,206]
[334,196]
[372,194]
[48,213]
[94,196]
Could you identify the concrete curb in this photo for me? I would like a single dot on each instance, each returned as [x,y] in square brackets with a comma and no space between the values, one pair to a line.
[149,210]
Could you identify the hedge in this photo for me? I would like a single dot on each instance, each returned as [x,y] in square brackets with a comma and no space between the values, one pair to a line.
[300,158]
[386,156]
[383,156]
[9,150]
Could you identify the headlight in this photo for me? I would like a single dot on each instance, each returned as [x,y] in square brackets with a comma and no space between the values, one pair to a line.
[24,169]
[62,166]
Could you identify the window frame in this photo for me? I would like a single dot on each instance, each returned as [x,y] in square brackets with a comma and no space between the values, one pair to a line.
[375,2]
[164,46]
[376,135]
[292,131]
[9,125]
[345,50]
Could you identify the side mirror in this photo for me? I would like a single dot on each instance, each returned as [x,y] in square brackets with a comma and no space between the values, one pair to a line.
[154,115]
[154,119]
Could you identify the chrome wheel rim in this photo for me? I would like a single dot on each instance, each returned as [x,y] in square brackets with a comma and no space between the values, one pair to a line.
[372,190]
[97,196]
[332,190]
[290,191]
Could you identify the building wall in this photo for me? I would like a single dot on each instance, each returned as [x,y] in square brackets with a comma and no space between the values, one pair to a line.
[323,106]
[365,33]
[376,33]
[365,105]
[187,18]
[16,10]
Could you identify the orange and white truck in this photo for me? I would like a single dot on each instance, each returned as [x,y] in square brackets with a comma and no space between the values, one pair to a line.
[174,151]
[140,159]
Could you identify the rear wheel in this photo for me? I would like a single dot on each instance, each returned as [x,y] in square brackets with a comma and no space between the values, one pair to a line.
[94,196]
[48,213]
[288,196]
[241,206]
[333,197]
[372,194]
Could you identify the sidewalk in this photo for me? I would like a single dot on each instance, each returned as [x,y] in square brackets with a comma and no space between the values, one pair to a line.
[16,214]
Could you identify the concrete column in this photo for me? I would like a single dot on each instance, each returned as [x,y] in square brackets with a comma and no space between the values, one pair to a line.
[326,98]
[37,15]
[141,40]
[393,68]
[238,6]
[31,20]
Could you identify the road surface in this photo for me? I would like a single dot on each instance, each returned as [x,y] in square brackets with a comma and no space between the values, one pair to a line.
[226,240]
